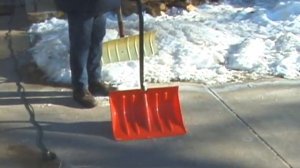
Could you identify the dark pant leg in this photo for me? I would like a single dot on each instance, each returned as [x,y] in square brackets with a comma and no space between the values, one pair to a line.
[103,6]
[94,66]
[80,30]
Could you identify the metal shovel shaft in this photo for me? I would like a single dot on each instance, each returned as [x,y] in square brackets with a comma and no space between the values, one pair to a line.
[141,43]
[120,22]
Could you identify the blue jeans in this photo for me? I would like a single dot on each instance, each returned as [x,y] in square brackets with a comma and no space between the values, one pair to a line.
[86,35]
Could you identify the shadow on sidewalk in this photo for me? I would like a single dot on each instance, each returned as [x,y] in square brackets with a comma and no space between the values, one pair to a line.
[63,98]
[99,129]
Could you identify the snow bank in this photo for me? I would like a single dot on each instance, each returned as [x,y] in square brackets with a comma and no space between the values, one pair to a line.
[215,44]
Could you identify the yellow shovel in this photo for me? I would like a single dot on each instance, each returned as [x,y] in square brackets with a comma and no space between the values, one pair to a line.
[127,48]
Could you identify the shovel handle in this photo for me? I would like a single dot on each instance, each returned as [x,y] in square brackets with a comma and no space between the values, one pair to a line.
[141,43]
[120,22]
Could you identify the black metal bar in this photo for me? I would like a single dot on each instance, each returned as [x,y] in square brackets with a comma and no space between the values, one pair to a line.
[120,22]
[141,43]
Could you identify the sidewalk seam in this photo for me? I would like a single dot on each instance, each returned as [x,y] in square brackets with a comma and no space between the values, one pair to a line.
[252,130]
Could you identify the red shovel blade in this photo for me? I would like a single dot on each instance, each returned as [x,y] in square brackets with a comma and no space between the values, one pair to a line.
[154,113]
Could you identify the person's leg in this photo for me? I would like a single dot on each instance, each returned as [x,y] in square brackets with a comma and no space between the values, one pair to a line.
[80,30]
[96,84]
[94,66]
[98,32]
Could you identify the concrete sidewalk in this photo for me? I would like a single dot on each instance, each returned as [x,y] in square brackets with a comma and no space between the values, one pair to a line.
[250,125]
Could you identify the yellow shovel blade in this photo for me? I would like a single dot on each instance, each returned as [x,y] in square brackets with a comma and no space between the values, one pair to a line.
[127,48]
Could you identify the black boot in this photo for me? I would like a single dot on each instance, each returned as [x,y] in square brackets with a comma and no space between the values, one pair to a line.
[84,97]
[101,88]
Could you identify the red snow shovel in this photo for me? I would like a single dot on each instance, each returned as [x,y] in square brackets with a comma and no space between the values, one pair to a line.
[145,113]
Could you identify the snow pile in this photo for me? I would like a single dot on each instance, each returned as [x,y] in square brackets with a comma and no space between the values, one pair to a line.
[215,44]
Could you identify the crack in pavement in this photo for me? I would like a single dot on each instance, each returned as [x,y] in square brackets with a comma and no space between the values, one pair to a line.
[252,130]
